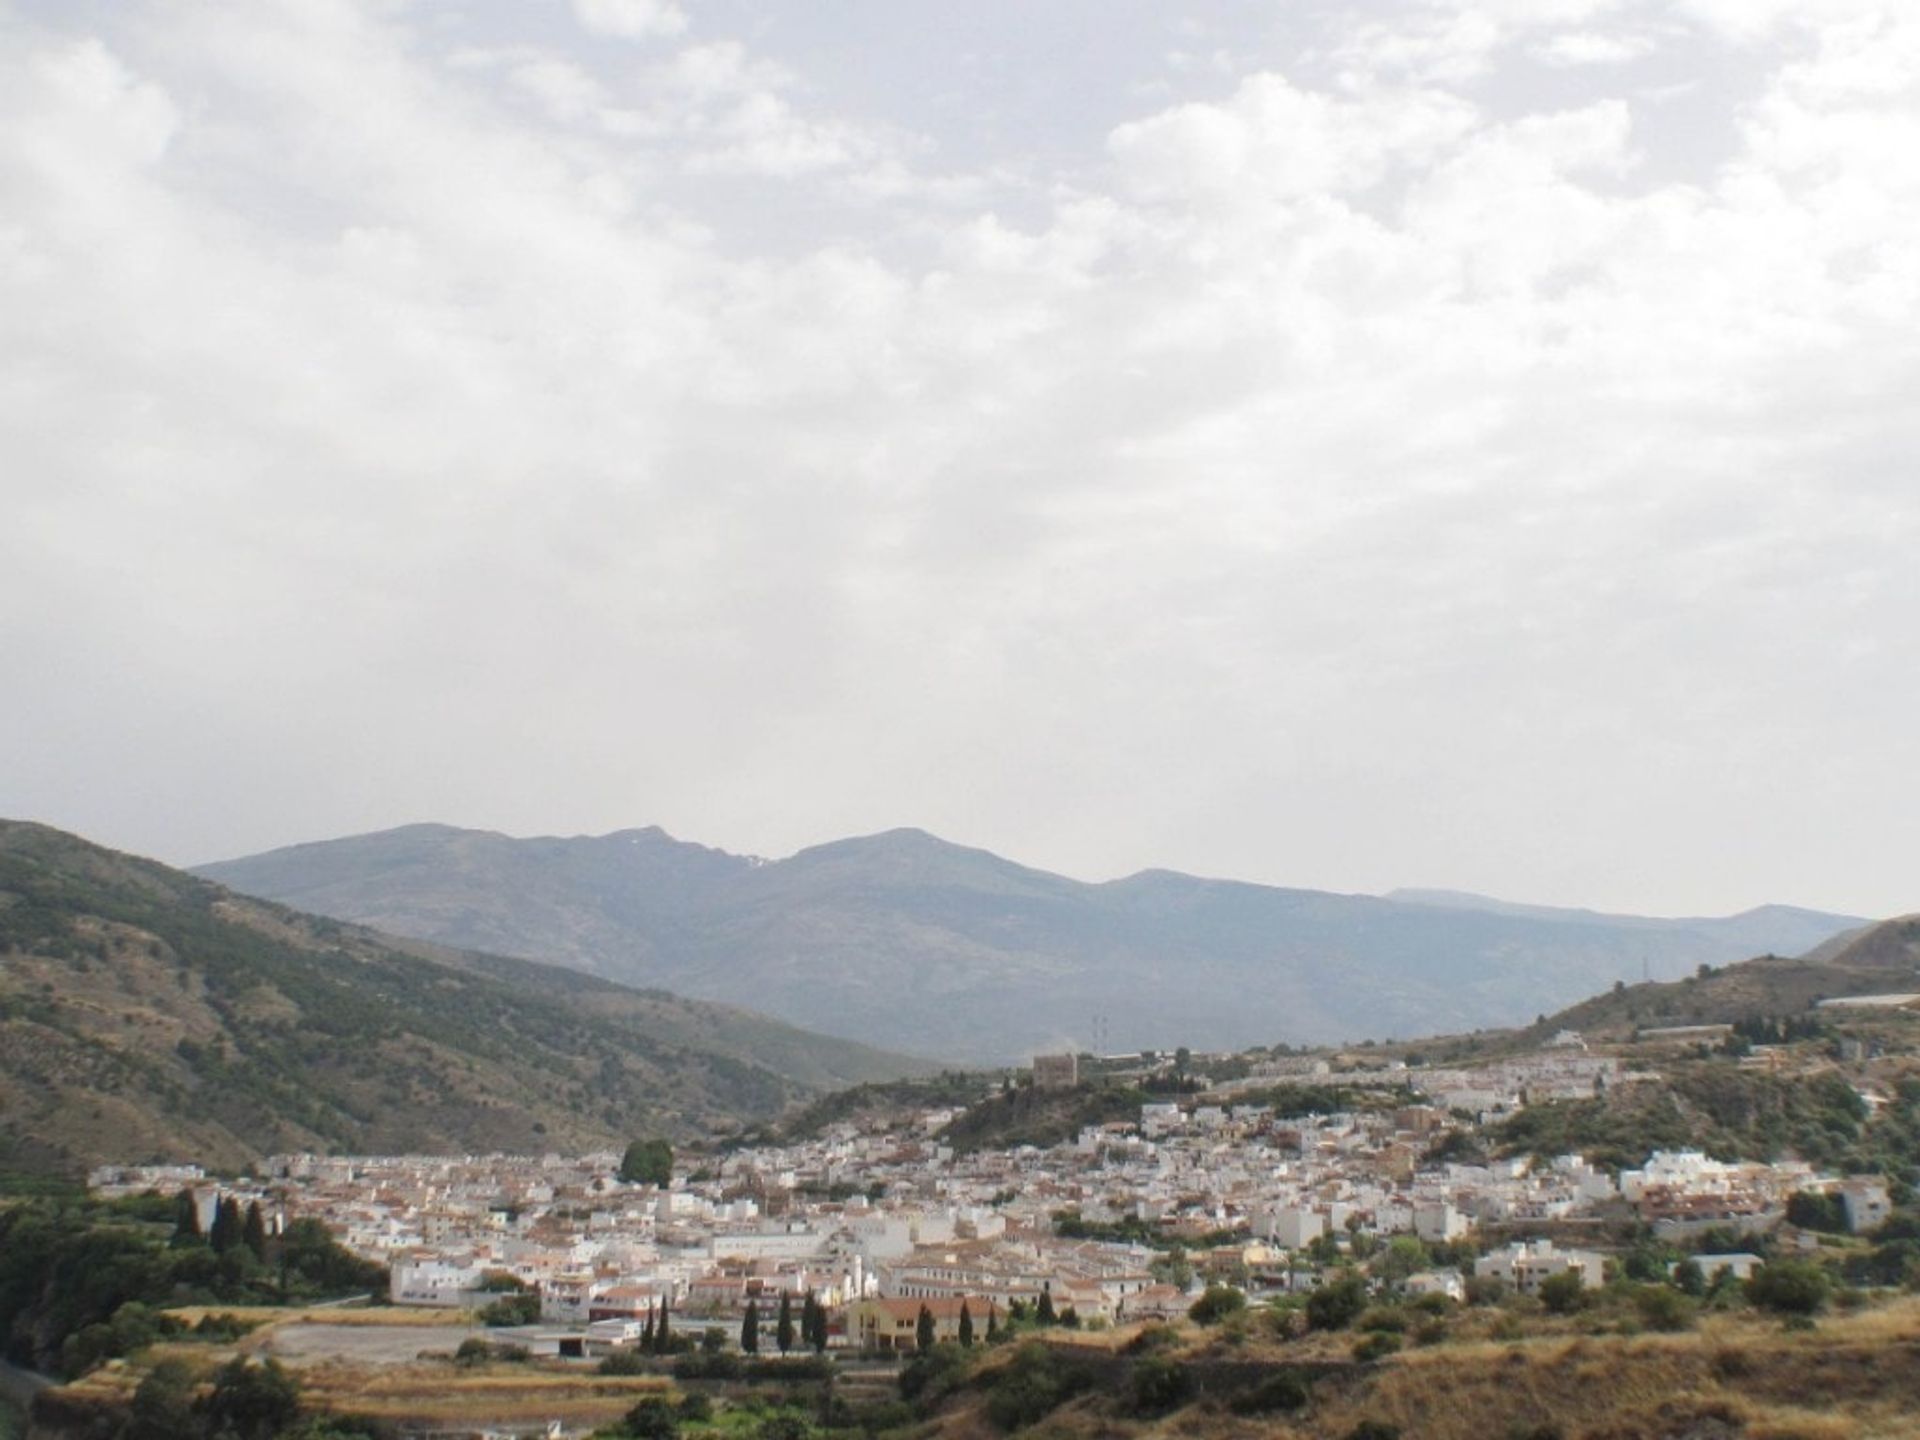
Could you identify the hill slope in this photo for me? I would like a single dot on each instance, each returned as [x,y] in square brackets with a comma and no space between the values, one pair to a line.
[906,940]
[147,1013]
[1874,960]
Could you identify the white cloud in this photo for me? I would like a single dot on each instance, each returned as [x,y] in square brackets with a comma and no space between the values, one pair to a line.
[631,19]
[1325,482]
[1587,47]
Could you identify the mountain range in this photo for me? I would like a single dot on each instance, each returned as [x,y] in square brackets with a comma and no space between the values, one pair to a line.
[149,1014]
[906,941]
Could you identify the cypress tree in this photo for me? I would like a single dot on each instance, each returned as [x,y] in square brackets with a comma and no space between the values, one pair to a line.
[966,1325]
[750,1329]
[1045,1313]
[186,1219]
[993,1322]
[923,1329]
[783,1332]
[227,1225]
[661,1342]
[254,1232]
[816,1332]
[646,1331]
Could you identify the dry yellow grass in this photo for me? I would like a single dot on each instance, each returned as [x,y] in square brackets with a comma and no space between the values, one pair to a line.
[325,1315]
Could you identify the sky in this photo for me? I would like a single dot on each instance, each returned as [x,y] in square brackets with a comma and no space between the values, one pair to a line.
[1463,443]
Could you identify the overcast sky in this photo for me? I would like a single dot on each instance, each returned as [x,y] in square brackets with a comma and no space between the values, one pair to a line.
[1330,444]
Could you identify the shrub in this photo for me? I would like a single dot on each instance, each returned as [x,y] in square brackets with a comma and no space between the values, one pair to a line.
[1376,1346]
[1283,1390]
[933,1373]
[1160,1384]
[1337,1305]
[1032,1386]
[625,1361]
[1789,1287]
[1219,1302]
[695,1408]
[1661,1308]
[653,1419]
[1563,1293]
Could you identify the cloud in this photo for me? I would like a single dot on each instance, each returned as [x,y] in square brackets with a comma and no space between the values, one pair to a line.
[631,19]
[1360,473]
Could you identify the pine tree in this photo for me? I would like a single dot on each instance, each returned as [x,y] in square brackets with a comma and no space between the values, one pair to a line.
[966,1325]
[186,1219]
[254,1232]
[227,1225]
[750,1329]
[783,1331]
[923,1329]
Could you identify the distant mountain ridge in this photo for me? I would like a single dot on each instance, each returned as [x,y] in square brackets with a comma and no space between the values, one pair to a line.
[149,1014]
[905,940]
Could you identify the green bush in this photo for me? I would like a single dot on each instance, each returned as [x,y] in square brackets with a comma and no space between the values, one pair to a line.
[1160,1384]
[1375,1346]
[1219,1302]
[1284,1391]
[1563,1293]
[1032,1386]
[1789,1287]
[1337,1304]
[1661,1308]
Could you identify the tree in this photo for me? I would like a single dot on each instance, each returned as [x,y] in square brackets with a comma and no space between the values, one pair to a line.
[653,1419]
[162,1408]
[227,1225]
[1337,1304]
[813,1324]
[993,1322]
[1216,1305]
[1789,1287]
[662,1340]
[250,1402]
[253,1232]
[647,1330]
[783,1328]
[1044,1314]
[647,1162]
[923,1329]
[750,1329]
[1563,1293]
[966,1325]
[186,1219]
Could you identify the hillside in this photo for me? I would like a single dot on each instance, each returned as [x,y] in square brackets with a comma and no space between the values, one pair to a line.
[905,940]
[145,1013]
[1877,959]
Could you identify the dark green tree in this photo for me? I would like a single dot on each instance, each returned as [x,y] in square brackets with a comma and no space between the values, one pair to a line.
[662,1338]
[653,1419]
[162,1408]
[1789,1287]
[750,1329]
[783,1328]
[923,1329]
[993,1322]
[647,1162]
[186,1219]
[813,1324]
[1044,1314]
[253,1231]
[227,1225]
[250,1402]
[966,1325]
